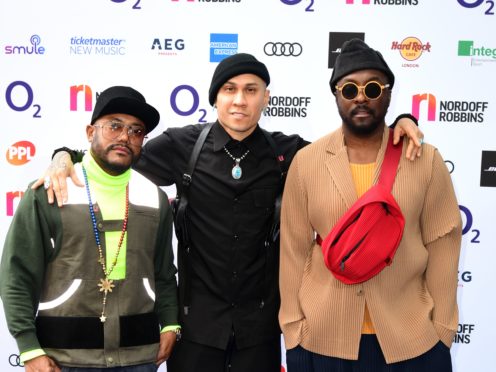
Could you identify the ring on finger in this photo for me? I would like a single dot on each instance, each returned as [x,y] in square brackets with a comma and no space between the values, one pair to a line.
[47,182]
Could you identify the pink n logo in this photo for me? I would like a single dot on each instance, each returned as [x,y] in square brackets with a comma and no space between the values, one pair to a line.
[88,97]
[431,105]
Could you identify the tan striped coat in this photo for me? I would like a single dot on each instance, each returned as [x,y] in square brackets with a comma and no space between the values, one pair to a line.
[412,303]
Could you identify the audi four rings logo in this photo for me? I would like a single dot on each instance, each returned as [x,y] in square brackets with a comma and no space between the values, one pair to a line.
[283,49]
[15,360]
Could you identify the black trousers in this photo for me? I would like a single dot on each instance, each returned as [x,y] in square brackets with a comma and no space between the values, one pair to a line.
[370,359]
[189,356]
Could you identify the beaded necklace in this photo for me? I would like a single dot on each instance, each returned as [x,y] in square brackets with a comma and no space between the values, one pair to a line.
[106,284]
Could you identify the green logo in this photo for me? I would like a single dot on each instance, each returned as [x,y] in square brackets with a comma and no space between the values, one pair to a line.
[465,47]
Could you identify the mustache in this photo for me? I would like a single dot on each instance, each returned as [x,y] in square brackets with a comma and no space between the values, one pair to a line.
[111,147]
[362,108]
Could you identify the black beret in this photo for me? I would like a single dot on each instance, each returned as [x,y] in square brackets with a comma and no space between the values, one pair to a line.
[125,100]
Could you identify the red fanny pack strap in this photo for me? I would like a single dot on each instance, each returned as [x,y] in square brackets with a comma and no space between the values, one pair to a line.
[390,162]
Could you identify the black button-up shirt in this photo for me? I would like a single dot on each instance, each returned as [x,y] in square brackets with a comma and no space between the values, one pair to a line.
[234,280]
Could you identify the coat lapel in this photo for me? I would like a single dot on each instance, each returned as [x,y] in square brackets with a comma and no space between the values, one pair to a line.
[338,165]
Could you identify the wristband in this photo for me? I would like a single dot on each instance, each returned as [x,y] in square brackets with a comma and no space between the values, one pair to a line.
[76,156]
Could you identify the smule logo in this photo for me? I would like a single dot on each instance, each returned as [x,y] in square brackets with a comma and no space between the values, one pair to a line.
[20,153]
[35,47]
[11,198]
[431,105]
[88,100]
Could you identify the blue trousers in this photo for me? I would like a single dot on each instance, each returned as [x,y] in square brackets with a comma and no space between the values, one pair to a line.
[150,367]
[370,359]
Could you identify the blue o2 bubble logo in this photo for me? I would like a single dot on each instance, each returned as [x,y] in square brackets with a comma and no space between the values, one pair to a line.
[309,8]
[21,87]
[476,3]
[474,234]
[135,6]
[187,90]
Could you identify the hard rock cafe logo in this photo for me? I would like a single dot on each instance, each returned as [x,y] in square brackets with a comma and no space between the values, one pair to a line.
[411,48]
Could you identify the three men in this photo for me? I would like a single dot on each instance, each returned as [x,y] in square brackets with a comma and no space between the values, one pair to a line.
[228,273]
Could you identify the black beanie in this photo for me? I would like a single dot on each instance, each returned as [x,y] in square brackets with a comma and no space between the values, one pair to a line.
[356,55]
[237,64]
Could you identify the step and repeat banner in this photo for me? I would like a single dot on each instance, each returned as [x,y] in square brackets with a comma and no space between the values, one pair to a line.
[56,56]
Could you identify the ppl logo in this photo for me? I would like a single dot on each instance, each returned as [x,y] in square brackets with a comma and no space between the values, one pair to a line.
[222,46]
[478,55]
[336,41]
[477,3]
[12,199]
[20,153]
[450,111]
[76,91]
[385,2]
[34,48]
[411,48]
[167,47]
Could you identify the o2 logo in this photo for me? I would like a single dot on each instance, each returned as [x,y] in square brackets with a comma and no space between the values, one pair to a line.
[135,6]
[450,165]
[476,3]
[467,228]
[187,89]
[21,86]
[294,2]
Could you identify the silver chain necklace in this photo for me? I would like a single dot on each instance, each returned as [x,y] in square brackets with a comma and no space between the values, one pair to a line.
[236,171]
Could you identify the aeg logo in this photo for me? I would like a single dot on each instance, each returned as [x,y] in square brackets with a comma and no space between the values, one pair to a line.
[20,153]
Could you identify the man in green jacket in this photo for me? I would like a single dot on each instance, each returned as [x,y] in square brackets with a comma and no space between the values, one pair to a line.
[93,285]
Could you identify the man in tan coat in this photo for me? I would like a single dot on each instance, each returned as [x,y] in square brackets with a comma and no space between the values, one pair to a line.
[404,318]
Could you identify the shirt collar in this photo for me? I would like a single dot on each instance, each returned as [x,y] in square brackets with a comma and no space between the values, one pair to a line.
[255,142]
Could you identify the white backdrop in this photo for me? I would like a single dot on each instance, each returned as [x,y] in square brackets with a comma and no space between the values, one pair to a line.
[443,54]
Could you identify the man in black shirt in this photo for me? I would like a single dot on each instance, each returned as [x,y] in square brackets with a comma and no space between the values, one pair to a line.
[228,278]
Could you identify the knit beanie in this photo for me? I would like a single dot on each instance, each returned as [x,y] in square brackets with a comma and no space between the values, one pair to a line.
[356,55]
[237,64]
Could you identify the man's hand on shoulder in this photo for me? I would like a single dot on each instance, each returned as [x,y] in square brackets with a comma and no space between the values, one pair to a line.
[54,179]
